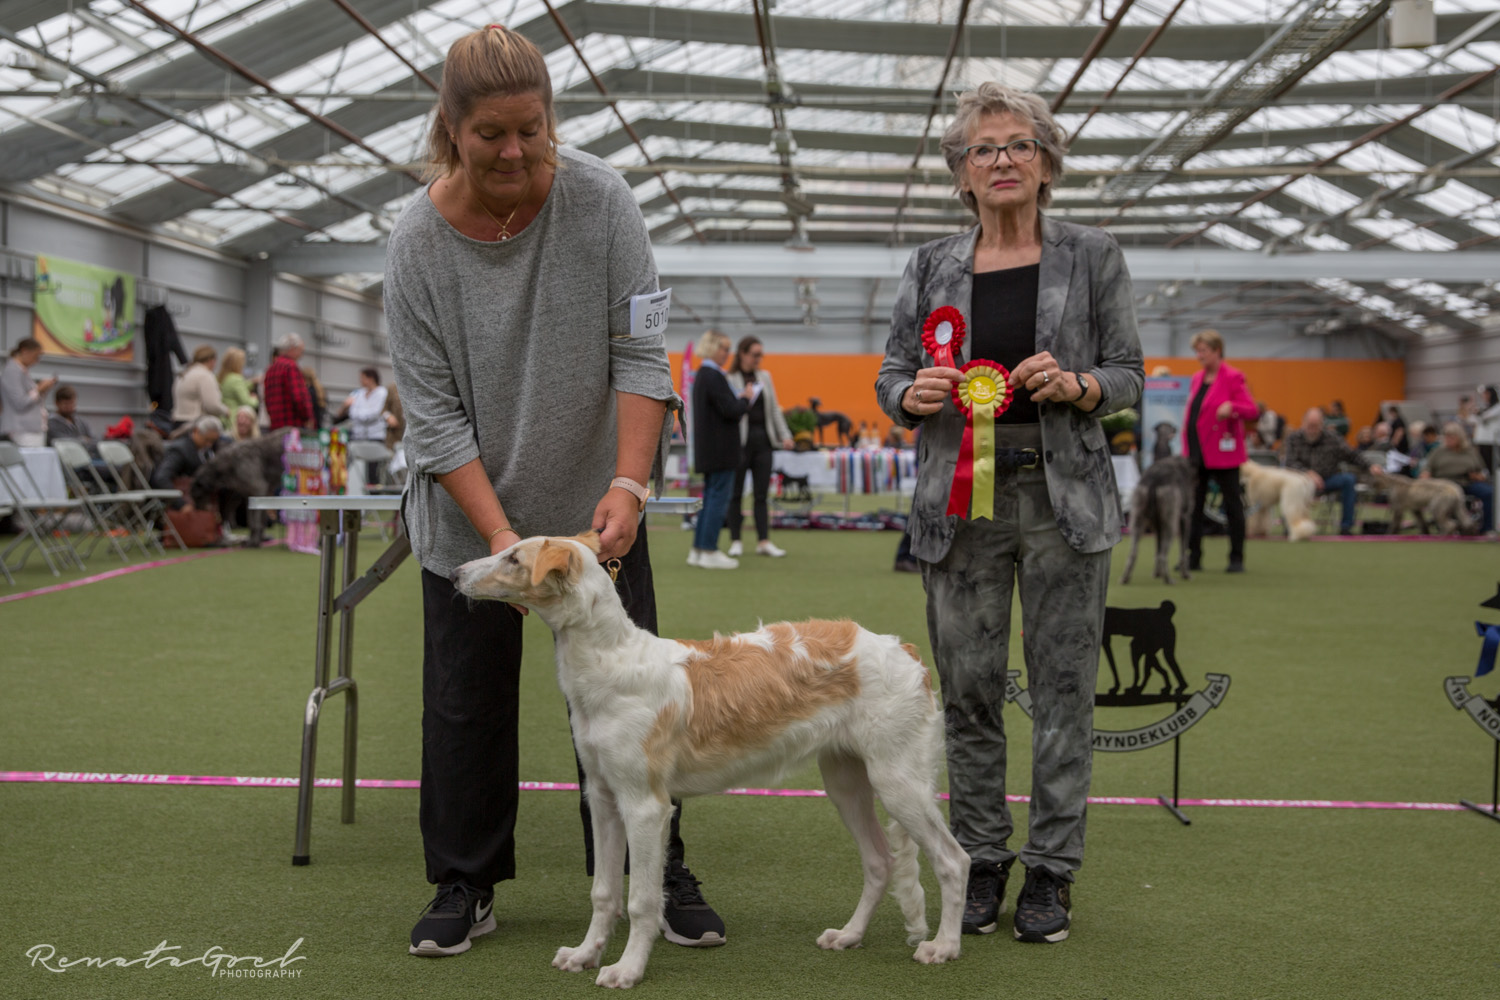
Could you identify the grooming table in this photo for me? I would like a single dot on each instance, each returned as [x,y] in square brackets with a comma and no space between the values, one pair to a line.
[341,515]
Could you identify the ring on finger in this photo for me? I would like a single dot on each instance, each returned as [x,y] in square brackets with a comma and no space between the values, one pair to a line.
[1046,378]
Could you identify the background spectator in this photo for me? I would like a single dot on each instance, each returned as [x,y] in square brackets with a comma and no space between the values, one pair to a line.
[318,395]
[1459,462]
[716,417]
[1319,452]
[288,403]
[65,421]
[762,430]
[246,424]
[197,390]
[1487,424]
[1337,420]
[1213,438]
[185,456]
[22,417]
[234,388]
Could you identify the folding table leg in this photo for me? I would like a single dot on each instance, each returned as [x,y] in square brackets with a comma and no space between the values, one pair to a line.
[327,541]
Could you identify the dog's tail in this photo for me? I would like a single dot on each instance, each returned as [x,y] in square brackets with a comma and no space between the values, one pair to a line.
[905,884]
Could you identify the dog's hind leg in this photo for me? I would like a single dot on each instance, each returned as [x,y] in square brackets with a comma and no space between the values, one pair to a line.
[1109,655]
[609,882]
[1137,522]
[909,799]
[646,820]
[848,786]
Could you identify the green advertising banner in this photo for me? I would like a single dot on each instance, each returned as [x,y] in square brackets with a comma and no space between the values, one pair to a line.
[84,311]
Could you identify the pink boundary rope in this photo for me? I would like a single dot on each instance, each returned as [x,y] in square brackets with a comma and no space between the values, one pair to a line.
[120,778]
[110,575]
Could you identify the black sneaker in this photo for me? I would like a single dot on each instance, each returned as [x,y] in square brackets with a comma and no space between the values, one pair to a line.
[1235,566]
[686,917]
[457,914]
[986,898]
[1044,910]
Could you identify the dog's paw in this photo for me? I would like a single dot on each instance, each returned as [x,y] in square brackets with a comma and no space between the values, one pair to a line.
[577,959]
[619,976]
[934,953]
[838,939]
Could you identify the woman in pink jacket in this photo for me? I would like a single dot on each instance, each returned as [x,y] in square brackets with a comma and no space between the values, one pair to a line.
[1213,439]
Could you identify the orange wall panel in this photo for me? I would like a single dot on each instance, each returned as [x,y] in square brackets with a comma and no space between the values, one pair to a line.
[846,383]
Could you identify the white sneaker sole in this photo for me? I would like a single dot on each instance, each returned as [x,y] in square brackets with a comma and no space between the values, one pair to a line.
[709,940]
[1052,938]
[431,949]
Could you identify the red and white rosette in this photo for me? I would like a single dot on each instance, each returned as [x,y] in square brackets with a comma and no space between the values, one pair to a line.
[982,398]
[943,335]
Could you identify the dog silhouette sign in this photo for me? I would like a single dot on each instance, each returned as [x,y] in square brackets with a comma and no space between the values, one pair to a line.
[1484,711]
[1153,654]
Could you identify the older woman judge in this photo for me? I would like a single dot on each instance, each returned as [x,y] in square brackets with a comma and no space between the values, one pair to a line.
[1014,485]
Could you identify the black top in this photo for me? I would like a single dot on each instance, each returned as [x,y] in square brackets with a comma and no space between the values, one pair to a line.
[1003,320]
[757,408]
[1195,447]
[716,422]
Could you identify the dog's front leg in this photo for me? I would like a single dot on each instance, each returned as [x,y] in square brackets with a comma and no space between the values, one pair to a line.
[646,830]
[609,881]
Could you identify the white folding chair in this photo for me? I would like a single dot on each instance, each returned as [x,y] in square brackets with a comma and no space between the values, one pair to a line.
[154,502]
[109,512]
[40,518]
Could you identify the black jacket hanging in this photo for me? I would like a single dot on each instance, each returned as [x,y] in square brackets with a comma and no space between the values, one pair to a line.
[161,343]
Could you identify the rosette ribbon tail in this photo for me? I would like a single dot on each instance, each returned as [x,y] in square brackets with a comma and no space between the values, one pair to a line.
[983,397]
[984,459]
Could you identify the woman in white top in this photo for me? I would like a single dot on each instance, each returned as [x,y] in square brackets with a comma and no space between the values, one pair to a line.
[366,409]
[22,417]
[197,391]
[762,430]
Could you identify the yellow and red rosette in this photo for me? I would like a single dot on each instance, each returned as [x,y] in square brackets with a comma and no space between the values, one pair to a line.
[943,335]
[982,398]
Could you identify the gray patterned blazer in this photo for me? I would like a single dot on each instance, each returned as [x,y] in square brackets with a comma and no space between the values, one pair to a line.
[1085,316]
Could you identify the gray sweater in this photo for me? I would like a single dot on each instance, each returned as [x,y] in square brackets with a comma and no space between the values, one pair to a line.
[512,353]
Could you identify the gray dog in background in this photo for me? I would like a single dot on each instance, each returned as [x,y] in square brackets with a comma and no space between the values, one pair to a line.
[1162,504]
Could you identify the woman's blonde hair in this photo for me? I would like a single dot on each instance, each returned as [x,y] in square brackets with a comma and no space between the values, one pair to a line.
[205,356]
[711,342]
[492,62]
[234,425]
[1209,338]
[234,361]
[991,98]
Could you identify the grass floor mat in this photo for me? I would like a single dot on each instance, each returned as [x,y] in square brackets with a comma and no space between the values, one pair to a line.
[1336,653]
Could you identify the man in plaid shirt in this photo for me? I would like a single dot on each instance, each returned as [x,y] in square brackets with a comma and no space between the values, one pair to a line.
[288,403]
[1320,453]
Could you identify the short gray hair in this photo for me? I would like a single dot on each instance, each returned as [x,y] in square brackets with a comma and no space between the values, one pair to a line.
[990,98]
[288,341]
[1457,430]
[205,423]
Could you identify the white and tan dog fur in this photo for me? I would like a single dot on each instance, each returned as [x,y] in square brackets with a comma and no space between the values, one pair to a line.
[655,718]
[1265,487]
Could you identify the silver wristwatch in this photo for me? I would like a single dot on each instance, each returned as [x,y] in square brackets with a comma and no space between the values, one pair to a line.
[1083,386]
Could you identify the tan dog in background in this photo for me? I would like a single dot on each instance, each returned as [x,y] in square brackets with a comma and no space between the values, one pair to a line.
[1266,486]
[655,718]
[1436,503]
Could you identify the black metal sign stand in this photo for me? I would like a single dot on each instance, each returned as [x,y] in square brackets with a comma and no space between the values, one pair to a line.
[1493,812]
[1176,775]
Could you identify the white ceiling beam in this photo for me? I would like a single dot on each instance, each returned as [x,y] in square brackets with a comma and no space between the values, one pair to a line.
[683,260]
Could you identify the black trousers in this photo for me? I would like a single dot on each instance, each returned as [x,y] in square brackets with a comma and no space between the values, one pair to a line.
[471,670]
[1234,510]
[757,462]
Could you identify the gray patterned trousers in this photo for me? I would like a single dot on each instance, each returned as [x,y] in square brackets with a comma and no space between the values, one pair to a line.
[1062,618]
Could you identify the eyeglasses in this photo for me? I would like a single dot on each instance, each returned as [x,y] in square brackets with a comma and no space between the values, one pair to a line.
[986,154]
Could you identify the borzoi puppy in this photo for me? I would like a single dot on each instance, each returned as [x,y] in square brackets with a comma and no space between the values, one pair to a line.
[655,718]
[1266,486]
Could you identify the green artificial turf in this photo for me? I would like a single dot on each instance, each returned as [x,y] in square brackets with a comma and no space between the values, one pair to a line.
[1337,653]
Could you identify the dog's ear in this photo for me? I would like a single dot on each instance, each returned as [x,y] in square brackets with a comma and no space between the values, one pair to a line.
[552,557]
[589,538]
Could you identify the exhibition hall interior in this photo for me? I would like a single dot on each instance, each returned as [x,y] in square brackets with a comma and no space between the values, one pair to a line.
[513,497]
